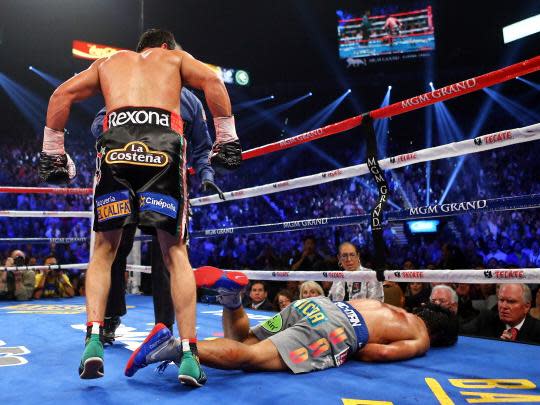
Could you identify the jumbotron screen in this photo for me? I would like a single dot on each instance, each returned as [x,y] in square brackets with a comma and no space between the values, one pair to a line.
[365,38]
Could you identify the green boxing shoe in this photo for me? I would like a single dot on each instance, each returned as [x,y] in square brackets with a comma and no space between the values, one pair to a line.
[190,371]
[92,359]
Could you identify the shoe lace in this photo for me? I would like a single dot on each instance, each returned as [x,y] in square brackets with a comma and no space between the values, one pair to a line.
[162,367]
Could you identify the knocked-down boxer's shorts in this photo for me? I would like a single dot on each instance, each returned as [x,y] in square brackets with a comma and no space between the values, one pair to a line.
[315,333]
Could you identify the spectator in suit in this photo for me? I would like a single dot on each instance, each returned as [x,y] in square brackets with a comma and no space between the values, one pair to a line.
[258,297]
[512,320]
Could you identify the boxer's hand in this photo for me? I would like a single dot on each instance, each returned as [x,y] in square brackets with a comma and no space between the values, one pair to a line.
[226,155]
[55,165]
[210,186]
[56,169]
[226,151]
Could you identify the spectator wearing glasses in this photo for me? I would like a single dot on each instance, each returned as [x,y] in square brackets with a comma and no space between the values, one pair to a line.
[349,260]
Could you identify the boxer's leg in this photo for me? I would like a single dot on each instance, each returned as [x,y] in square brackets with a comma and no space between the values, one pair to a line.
[176,259]
[98,280]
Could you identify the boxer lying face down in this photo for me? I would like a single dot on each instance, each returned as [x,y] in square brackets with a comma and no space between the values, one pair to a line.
[310,334]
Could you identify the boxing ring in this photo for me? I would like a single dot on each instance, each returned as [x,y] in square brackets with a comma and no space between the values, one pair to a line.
[41,340]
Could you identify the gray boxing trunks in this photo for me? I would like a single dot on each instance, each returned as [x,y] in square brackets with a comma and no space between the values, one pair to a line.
[315,333]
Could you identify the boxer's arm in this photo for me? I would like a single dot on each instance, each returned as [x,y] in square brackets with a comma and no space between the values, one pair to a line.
[79,87]
[400,350]
[198,75]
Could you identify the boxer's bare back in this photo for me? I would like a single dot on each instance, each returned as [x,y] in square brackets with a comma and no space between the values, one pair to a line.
[391,327]
[151,78]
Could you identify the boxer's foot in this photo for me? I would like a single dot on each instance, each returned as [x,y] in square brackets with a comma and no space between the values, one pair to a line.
[228,285]
[190,371]
[159,345]
[92,359]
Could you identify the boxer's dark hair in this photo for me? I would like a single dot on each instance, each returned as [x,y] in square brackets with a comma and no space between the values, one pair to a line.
[153,38]
[442,324]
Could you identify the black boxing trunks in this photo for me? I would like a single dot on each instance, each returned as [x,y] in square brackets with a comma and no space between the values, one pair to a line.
[141,172]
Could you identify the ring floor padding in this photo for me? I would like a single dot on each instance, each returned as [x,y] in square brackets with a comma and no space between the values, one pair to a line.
[41,343]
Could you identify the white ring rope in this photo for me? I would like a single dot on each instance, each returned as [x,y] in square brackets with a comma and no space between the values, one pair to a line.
[484,276]
[80,266]
[46,214]
[479,144]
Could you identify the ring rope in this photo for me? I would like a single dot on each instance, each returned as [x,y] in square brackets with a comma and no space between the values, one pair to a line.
[400,107]
[429,211]
[46,214]
[484,276]
[410,104]
[479,144]
[60,241]
[79,266]
[46,190]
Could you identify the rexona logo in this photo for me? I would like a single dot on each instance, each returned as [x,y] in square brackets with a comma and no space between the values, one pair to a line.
[138,117]
[12,355]
[137,153]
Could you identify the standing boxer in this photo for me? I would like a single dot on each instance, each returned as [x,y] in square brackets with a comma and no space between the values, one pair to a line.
[141,173]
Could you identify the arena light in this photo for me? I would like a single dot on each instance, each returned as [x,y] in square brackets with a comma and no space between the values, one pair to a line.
[390,87]
[521,113]
[53,81]
[30,67]
[310,93]
[31,106]
[521,29]
[268,115]
[534,85]
[250,103]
